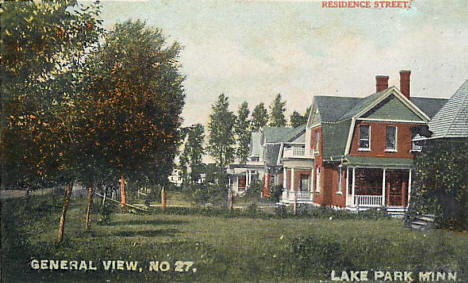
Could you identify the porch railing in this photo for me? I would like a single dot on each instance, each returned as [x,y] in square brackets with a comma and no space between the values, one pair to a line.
[372,201]
[301,196]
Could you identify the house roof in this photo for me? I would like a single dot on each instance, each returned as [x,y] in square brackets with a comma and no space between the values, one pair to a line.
[284,134]
[379,161]
[452,119]
[271,154]
[255,144]
[336,113]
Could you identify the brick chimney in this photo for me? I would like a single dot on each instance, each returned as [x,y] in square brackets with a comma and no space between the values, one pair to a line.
[381,83]
[405,83]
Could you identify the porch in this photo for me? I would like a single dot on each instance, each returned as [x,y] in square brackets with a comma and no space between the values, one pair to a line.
[296,196]
[377,187]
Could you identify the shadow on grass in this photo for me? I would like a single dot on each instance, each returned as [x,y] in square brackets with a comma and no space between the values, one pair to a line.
[147,222]
[147,233]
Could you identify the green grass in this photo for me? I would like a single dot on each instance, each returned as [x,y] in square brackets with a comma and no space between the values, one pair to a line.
[228,249]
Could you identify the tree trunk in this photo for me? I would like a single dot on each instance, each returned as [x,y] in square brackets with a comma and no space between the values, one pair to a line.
[88,209]
[163,200]
[295,202]
[68,191]
[231,200]
[104,197]
[122,193]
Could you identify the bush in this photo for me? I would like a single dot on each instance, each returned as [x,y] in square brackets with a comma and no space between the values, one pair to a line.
[206,193]
[440,184]
[275,193]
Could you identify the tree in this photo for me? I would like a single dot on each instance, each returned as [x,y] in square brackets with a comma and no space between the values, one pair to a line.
[43,44]
[193,152]
[296,119]
[221,138]
[441,183]
[259,117]
[131,111]
[277,109]
[242,131]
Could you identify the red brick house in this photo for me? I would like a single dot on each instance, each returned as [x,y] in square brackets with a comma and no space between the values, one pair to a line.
[360,149]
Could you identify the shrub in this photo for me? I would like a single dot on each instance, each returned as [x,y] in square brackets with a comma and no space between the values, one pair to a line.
[275,193]
[440,184]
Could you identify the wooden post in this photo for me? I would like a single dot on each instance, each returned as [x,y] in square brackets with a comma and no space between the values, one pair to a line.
[231,201]
[68,191]
[88,209]
[163,200]
[383,186]
[353,186]
[122,193]
[403,193]
[409,186]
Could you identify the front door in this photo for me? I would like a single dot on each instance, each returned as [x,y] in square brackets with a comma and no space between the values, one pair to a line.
[396,187]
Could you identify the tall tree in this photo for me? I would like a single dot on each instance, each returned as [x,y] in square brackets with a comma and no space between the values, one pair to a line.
[221,135]
[259,117]
[296,119]
[277,109]
[131,111]
[192,154]
[242,131]
[41,69]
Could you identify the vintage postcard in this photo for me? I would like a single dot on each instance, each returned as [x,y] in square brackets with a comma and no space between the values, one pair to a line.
[234,141]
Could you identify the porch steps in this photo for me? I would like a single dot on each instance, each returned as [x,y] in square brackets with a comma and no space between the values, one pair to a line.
[396,211]
[423,222]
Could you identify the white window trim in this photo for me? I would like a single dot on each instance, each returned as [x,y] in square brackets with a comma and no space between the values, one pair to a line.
[317,179]
[317,142]
[359,141]
[396,139]
[340,181]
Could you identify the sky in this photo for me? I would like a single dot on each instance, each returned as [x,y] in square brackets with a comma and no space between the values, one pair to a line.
[252,50]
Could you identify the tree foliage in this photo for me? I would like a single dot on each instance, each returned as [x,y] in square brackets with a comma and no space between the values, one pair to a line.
[192,154]
[440,184]
[43,44]
[259,117]
[296,119]
[221,135]
[131,113]
[242,131]
[277,109]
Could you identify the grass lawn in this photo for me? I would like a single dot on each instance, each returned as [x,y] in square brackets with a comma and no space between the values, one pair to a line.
[223,248]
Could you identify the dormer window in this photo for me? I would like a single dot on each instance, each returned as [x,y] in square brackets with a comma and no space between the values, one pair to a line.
[364,137]
[391,139]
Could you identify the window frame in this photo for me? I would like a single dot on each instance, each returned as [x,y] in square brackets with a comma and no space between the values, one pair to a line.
[340,180]
[317,142]
[368,138]
[395,139]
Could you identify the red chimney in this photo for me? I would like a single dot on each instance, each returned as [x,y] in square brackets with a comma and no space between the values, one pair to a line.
[405,83]
[381,82]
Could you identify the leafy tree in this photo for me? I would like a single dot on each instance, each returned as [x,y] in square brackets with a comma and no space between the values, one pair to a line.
[43,44]
[131,111]
[259,117]
[221,139]
[242,131]
[441,183]
[193,152]
[277,109]
[296,119]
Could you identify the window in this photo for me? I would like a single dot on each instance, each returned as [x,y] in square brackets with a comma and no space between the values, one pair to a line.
[317,141]
[364,137]
[340,179]
[317,180]
[304,182]
[391,139]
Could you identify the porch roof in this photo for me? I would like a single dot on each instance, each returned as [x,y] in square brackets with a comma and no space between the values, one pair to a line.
[380,162]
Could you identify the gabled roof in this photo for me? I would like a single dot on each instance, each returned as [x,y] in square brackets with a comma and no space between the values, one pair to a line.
[336,114]
[277,134]
[255,144]
[331,108]
[452,119]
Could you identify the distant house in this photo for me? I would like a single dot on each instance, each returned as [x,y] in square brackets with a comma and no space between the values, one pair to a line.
[451,121]
[358,151]
[262,164]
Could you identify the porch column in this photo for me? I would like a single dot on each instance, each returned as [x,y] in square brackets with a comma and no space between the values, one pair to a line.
[285,176]
[347,186]
[409,186]
[354,185]
[383,186]
[248,178]
[292,180]
[403,193]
